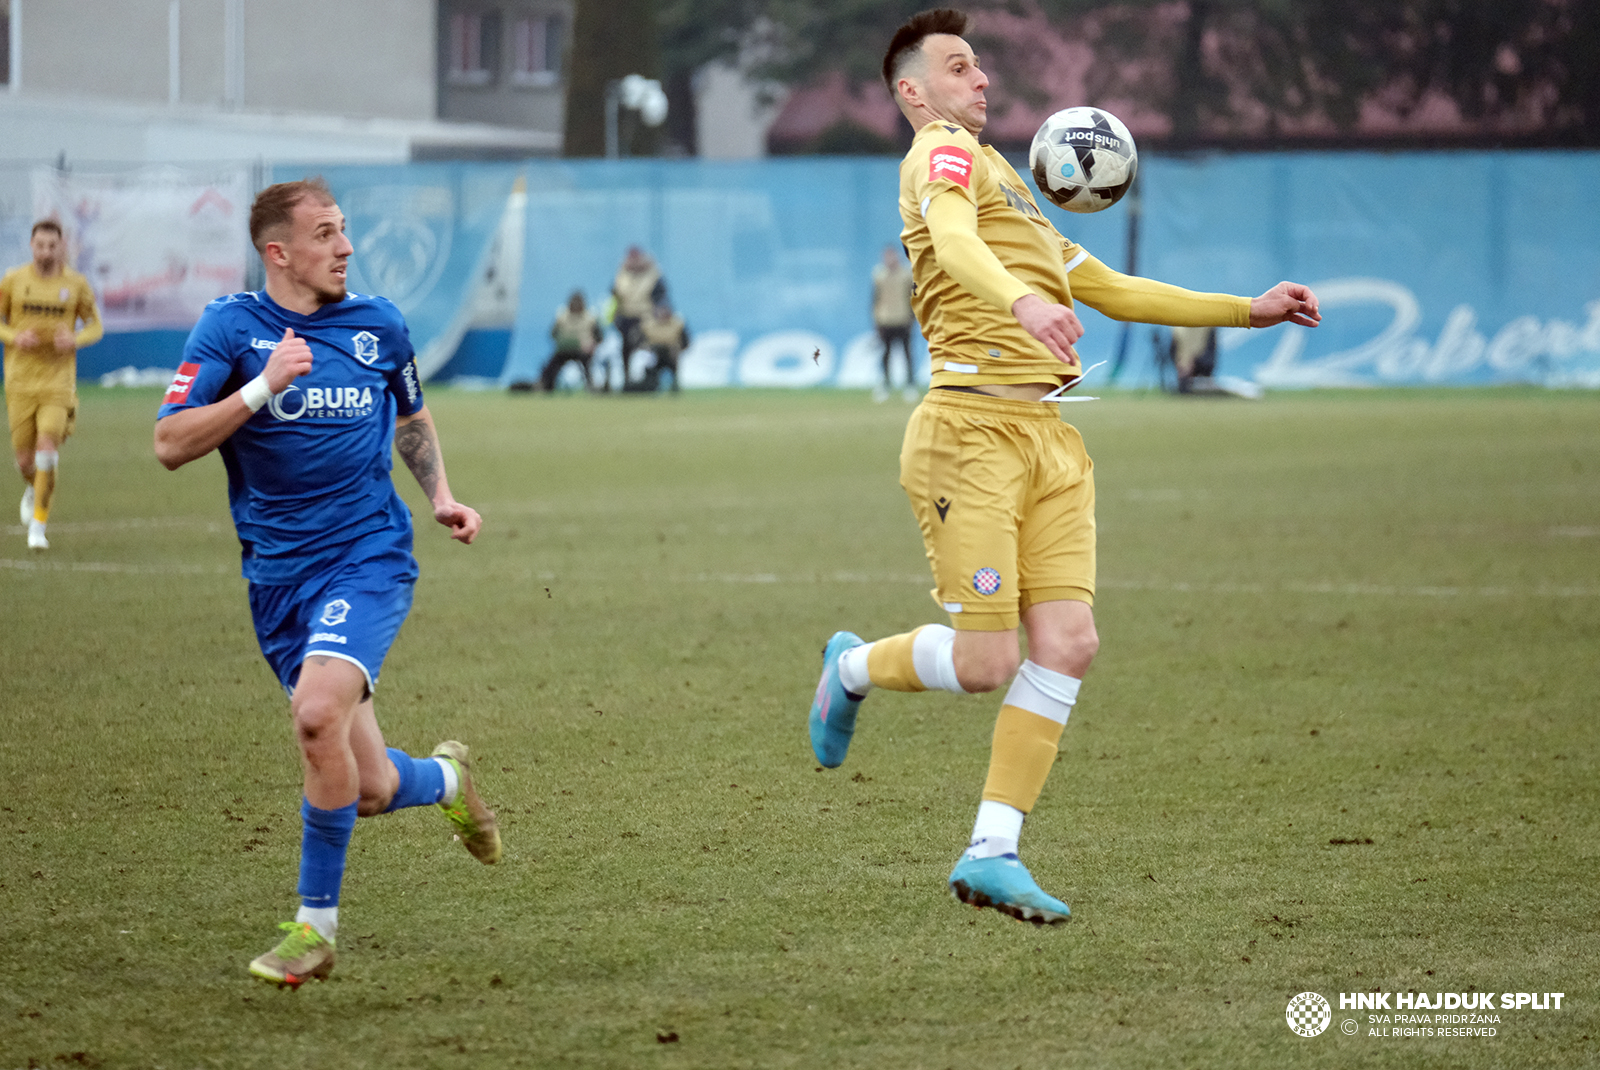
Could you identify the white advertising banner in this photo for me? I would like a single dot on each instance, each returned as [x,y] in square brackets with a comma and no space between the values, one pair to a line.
[156,244]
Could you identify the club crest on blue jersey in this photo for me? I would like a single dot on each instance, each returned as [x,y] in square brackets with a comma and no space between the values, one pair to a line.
[986,581]
[335,612]
[366,347]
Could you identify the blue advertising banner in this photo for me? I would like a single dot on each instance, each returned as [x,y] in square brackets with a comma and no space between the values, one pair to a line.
[769,262]
[422,235]
[1457,267]
[1452,268]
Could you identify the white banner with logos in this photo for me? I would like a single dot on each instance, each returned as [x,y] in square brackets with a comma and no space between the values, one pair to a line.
[156,244]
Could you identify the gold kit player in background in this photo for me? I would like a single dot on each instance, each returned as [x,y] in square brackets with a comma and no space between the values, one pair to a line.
[40,306]
[1001,487]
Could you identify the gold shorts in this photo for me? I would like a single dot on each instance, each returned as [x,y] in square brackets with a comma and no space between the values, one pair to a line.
[52,413]
[1004,493]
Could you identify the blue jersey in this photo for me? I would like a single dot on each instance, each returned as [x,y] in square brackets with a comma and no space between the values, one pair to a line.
[308,474]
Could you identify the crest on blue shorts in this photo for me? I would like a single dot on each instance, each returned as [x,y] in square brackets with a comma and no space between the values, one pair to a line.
[337,610]
[986,581]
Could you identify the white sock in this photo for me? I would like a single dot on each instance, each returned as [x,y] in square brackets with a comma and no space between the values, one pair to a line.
[323,919]
[996,830]
[1044,692]
[933,656]
[452,783]
[853,670]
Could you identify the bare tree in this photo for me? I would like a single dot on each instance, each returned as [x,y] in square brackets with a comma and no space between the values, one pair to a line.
[1226,70]
[610,39]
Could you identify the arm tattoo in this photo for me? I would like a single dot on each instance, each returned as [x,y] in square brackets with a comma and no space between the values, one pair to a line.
[419,448]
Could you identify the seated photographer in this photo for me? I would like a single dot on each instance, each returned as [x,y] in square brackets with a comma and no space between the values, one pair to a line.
[576,332]
[665,335]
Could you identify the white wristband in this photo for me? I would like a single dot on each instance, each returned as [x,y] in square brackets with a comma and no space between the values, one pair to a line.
[255,393]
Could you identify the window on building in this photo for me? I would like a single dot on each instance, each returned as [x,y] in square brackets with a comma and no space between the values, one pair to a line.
[537,42]
[474,47]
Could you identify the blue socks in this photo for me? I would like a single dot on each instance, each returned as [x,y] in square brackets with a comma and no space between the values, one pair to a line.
[322,851]
[327,832]
[421,781]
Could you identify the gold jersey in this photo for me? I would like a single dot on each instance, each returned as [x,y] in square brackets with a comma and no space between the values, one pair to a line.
[45,303]
[975,340]
[971,341]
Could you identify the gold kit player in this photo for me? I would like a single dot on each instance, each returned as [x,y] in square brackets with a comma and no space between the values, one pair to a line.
[1002,488]
[40,306]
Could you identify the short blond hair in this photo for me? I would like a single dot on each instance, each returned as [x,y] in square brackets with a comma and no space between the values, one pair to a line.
[274,206]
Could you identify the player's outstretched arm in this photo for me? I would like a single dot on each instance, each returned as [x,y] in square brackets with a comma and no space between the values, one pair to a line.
[192,433]
[1287,302]
[417,442]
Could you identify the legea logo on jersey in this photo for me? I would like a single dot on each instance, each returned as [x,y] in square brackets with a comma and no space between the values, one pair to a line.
[366,347]
[322,402]
[262,343]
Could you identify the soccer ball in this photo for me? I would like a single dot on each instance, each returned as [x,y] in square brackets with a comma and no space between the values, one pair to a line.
[1083,159]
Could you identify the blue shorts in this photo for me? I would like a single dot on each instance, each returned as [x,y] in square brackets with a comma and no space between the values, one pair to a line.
[352,611]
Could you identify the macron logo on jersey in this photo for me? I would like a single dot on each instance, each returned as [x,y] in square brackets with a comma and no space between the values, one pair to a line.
[953,163]
[178,392]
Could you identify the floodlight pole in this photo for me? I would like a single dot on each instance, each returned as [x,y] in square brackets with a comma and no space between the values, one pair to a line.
[1134,207]
[642,96]
[613,103]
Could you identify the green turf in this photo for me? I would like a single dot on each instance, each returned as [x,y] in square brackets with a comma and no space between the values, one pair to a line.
[1334,617]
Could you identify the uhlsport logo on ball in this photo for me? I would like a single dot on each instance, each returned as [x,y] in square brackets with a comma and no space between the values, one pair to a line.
[1309,1014]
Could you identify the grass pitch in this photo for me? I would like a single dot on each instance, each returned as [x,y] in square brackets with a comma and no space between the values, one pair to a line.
[1340,738]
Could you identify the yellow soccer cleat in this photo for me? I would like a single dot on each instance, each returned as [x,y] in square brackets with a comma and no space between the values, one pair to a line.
[302,954]
[474,822]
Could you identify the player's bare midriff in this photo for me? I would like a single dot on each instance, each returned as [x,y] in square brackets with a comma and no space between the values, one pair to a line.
[1009,391]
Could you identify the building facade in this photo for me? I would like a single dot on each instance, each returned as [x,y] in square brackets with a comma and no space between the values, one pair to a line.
[503,62]
[444,77]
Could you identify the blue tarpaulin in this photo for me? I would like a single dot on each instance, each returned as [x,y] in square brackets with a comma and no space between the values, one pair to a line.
[1432,267]
[769,262]
[1440,267]
[1450,267]
[422,234]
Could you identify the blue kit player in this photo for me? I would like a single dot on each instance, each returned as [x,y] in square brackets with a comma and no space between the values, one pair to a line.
[303,388]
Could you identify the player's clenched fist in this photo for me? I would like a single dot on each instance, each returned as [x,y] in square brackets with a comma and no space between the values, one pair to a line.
[288,362]
[462,520]
[1287,302]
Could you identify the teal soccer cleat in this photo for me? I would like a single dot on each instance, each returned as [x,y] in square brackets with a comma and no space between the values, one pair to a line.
[833,711]
[1004,883]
